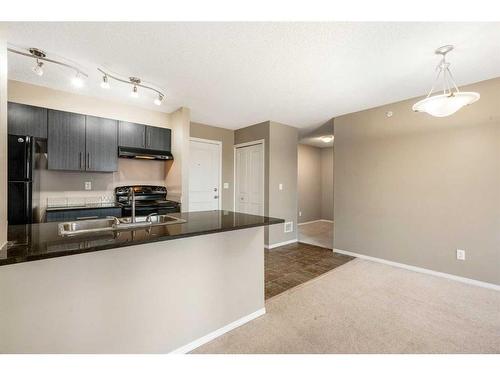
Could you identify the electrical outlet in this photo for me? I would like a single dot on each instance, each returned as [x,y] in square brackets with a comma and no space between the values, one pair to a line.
[226,185]
[88,185]
[280,186]
[300,213]
[288,227]
[460,254]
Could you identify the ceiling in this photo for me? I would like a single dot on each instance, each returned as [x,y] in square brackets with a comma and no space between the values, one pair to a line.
[236,74]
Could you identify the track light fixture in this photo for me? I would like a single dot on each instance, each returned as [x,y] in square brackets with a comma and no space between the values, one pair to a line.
[135,82]
[40,60]
[78,80]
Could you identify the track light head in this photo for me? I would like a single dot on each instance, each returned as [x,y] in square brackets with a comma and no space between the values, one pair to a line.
[77,81]
[105,82]
[38,68]
[134,93]
[159,99]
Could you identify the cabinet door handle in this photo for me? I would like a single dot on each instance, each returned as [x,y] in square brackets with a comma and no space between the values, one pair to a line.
[88,160]
[80,160]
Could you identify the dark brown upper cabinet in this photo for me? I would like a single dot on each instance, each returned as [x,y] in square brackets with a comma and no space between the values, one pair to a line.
[101,144]
[131,135]
[25,119]
[66,141]
[158,138]
[143,136]
[81,143]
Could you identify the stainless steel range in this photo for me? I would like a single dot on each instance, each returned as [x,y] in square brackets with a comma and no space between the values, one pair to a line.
[148,200]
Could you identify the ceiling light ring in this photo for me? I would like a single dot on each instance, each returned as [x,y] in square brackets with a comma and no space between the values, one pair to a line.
[37,54]
[133,81]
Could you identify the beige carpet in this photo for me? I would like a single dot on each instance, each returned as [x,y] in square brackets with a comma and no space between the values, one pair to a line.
[367,307]
[319,233]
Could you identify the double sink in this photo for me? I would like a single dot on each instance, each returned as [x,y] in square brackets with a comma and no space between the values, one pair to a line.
[114,224]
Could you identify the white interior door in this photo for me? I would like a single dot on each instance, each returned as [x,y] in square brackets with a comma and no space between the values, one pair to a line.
[204,175]
[249,179]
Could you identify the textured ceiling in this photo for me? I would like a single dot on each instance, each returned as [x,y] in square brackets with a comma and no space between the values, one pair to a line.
[235,74]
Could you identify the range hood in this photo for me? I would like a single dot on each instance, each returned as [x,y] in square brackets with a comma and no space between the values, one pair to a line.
[143,153]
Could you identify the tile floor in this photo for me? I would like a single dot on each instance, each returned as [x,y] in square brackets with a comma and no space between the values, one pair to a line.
[290,265]
[319,233]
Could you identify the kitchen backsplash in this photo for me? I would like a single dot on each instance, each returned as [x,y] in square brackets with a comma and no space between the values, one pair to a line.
[61,188]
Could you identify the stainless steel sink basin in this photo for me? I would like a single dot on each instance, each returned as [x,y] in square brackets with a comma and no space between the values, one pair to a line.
[111,223]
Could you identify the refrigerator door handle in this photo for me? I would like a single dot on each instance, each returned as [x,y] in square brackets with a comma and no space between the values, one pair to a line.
[27,204]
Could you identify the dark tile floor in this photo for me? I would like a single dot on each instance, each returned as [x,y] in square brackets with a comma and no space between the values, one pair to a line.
[290,265]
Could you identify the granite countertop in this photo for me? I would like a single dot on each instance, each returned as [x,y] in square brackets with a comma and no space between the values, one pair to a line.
[42,241]
[84,206]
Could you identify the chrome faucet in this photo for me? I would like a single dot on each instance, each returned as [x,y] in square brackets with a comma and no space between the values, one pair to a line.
[131,196]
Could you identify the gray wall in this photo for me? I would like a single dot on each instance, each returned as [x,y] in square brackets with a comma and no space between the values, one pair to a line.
[151,298]
[309,183]
[280,167]
[226,136]
[283,170]
[327,183]
[315,183]
[413,188]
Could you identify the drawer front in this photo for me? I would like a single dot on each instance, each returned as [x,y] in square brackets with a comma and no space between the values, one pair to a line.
[83,214]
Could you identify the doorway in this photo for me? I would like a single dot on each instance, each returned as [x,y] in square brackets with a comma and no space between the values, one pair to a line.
[204,174]
[249,178]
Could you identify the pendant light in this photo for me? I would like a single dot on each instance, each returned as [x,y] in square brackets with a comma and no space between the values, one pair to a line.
[451,99]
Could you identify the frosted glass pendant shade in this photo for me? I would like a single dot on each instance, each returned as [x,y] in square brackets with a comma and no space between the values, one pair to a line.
[445,104]
[452,99]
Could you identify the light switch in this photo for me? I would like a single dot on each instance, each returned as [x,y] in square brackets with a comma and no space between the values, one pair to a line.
[281,186]
[226,185]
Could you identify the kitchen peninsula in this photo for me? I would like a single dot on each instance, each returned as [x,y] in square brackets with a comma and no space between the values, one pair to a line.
[158,289]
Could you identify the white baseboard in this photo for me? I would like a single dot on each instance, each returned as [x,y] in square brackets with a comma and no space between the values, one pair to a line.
[213,335]
[315,221]
[449,276]
[272,246]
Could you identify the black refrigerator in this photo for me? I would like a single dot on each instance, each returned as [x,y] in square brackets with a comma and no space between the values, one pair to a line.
[20,179]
